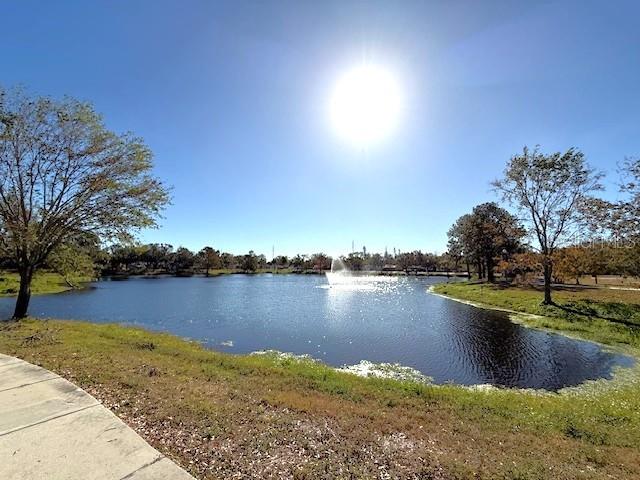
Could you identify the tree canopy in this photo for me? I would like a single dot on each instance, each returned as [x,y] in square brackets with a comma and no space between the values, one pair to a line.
[484,236]
[63,173]
[548,190]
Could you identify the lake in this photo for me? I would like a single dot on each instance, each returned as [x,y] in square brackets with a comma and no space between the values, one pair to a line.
[381,319]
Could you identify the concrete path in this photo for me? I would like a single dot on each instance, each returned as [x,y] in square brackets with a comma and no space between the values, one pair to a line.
[50,429]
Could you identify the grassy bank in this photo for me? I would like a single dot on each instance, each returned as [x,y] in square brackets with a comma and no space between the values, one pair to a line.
[43,282]
[604,315]
[226,416]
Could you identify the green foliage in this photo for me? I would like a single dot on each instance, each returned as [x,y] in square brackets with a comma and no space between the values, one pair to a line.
[71,262]
[354,261]
[63,174]
[182,261]
[208,258]
[483,237]
[249,262]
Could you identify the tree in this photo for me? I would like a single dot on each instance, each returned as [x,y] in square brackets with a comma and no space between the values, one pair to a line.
[487,234]
[461,243]
[374,262]
[62,173]
[599,259]
[548,190]
[73,259]
[354,261]
[496,233]
[249,262]
[404,260]
[281,261]
[209,258]
[298,262]
[522,265]
[320,262]
[156,255]
[570,263]
[449,263]
[182,261]
[261,261]
[228,260]
[124,256]
[628,209]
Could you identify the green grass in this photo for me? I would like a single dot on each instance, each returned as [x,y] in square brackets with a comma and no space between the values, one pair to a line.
[222,415]
[43,282]
[604,315]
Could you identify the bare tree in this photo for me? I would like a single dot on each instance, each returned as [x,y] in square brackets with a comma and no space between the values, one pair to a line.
[62,173]
[548,190]
[628,209]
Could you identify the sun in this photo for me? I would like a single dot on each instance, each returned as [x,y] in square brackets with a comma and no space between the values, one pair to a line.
[366,105]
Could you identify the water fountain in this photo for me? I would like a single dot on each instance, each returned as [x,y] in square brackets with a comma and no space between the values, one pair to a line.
[341,277]
[339,273]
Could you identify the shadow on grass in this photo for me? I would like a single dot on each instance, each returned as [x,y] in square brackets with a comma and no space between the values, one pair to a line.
[627,314]
[610,311]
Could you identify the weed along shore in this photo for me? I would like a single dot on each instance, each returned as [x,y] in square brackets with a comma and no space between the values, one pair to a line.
[224,416]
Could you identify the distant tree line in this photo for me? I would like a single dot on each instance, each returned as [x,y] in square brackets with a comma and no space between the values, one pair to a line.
[85,257]
[409,262]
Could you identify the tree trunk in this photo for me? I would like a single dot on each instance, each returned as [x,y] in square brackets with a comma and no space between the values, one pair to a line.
[24,294]
[468,270]
[548,270]
[490,276]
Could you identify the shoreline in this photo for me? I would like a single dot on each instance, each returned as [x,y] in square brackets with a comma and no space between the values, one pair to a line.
[631,374]
[396,371]
[60,286]
[519,318]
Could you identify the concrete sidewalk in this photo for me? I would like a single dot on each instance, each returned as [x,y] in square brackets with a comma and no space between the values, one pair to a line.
[50,429]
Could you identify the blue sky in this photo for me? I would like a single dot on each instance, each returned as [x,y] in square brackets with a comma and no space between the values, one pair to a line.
[233,97]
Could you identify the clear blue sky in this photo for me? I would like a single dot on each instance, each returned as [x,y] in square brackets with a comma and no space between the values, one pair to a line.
[232,97]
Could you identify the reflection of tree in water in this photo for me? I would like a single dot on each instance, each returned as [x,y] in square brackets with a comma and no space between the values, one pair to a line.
[503,353]
[487,343]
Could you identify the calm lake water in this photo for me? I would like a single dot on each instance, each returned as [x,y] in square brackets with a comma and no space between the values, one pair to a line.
[390,320]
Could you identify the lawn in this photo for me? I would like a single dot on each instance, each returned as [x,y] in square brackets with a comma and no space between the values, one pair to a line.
[43,282]
[229,416]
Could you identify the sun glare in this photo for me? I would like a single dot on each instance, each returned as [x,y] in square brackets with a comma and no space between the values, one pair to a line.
[366,104]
